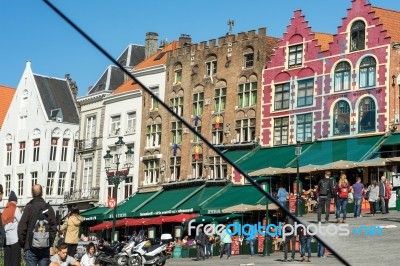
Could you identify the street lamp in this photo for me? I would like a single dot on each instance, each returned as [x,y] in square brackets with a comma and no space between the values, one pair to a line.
[297,152]
[115,178]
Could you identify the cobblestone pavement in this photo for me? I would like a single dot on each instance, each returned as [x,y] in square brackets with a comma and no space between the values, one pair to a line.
[356,249]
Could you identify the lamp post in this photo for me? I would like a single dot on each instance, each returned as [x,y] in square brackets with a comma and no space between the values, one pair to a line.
[297,152]
[266,248]
[115,178]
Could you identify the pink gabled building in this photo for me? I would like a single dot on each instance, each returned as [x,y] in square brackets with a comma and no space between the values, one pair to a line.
[319,86]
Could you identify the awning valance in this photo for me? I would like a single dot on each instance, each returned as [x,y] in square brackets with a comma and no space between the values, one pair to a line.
[95,213]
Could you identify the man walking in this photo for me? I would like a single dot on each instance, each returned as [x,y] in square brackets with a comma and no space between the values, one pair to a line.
[382,193]
[36,256]
[282,195]
[200,244]
[325,196]
[358,189]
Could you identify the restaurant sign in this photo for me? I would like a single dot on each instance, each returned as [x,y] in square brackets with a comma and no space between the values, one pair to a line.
[157,213]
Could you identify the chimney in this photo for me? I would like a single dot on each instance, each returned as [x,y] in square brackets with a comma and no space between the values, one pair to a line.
[74,89]
[151,44]
[184,40]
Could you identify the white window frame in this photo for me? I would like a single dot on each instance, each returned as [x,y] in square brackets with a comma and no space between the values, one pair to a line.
[176,105]
[176,132]
[198,103]
[9,153]
[115,123]
[246,130]
[20,184]
[197,166]
[128,187]
[36,150]
[34,178]
[211,68]
[219,99]
[154,102]
[151,172]
[153,135]
[218,168]
[61,183]
[87,175]
[50,183]
[175,168]
[64,150]
[247,91]
[131,122]
[90,127]
[22,150]
[7,183]
[53,149]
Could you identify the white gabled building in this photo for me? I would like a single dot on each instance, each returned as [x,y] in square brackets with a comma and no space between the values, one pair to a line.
[37,138]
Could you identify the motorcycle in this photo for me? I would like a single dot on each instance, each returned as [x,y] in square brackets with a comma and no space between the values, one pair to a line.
[146,254]
[110,255]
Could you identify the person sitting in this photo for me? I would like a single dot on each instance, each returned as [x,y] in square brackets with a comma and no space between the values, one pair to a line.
[61,258]
[88,259]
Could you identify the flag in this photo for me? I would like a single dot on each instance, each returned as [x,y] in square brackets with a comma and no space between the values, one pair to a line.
[175,148]
[217,121]
[196,153]
[196,121]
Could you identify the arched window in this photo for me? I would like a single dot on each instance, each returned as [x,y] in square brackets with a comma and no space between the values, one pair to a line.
[341,118]
[357,36]
[367,72]
[342,76]
[367,115]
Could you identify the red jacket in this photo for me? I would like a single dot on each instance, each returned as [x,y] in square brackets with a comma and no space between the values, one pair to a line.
[388,191]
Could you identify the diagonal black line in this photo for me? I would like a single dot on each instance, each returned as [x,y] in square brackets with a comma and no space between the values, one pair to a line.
[209,144]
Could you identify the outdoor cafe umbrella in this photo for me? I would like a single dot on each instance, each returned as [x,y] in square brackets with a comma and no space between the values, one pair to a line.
[268,171]
[241,208]
[373,162]
[341,164]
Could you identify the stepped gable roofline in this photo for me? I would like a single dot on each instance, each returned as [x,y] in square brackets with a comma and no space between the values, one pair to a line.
[6,95]
[390,21]
[56,94]
[323,39]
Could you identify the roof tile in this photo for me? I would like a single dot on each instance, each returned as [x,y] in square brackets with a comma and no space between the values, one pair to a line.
[6,96]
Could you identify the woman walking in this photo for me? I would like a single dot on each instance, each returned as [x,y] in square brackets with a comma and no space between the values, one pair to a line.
[342,192]
[10,218]
[373,196]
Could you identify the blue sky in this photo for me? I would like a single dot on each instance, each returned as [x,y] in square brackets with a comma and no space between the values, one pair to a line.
[32,31]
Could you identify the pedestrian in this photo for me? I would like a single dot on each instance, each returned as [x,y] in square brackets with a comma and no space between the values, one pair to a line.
[290,239]
[88,259]
[35,256]
[209,246]
[226,242]
[388,195]
[321,250]
[282,195]
[343,189]
[373,196]
[10,218]
[382,193]
[325,196]
[252,240]
[71,228]
[58,240]
[200,243]
[305,243]
[358,189]
[62,259]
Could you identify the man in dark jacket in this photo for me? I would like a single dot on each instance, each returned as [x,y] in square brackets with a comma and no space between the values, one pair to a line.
[382,192]
[325,196]
[201,239]
[34,256]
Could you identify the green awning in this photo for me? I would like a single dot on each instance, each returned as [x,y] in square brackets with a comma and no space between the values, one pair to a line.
[200,198]
[394,139]
[237,155]
[95,213]
[168,202]
[269,157]
[349,149]
[125,208]
[232,196]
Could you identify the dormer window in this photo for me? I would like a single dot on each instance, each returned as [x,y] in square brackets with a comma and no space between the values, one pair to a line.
[357,36]
[295,56]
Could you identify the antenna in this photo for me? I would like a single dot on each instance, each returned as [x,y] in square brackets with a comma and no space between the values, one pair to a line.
[231,23]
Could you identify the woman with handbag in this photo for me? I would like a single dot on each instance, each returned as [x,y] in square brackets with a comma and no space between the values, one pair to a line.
[343,189]
[372,196]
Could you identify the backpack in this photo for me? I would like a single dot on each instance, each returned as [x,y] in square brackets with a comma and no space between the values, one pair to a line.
[323,189]
[343,192]
[41,229]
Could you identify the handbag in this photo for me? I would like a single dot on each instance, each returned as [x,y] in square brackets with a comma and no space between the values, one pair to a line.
[366,196]
[350,197]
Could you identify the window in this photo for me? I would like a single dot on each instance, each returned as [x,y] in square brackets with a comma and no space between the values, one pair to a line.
[175,168]
[87,174]
[197,165]
[111,192]
[36,150]
[195,137]
[304,127]
[357,36]
[176,132]
[50,183]
[151,171]
[128,186]
[247,94]
[154,102]
[64,150]
[76,142]
[217,132]
[218,169]
[249,60]
[153,136]
[341,118]
[9,153]
[53,149]
[220,100]
[367,115]
[281,130]
[115,125]
[61,183]
[178,76]
[198,99]
[90,127]
[131,123]
[246,130]
[22,152]
[72,184]
[20,184]
[282,96]
[295,55]
[367,72]
[176,105]
[305,92]
[8,185]
[211,68]
[342,76]
[34,178]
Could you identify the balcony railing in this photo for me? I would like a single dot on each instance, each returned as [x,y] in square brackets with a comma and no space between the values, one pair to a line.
[88,144]
[81,195]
